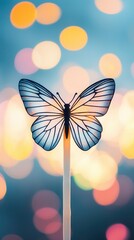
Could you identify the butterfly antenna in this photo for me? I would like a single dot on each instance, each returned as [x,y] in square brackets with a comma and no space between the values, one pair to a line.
[73,98]
[60,97]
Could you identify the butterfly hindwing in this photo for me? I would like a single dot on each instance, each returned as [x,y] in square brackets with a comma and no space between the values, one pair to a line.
[47,133]
[86,132]
[41,103]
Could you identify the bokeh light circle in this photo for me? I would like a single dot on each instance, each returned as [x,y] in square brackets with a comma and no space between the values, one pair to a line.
[46,55]
[132,69]
[51,161]
[6,94]
[117,232]
[99,170]
[46,213]
[12,237]
[75,79]
[18,142]
[47,220]
[5,160]
[126,110]
[109,6]
[110,65]
[126,143]
[73,38]
[126,190]
[48,13]
[108,196]
[112,129]
[23,61]
[20,170]
[3,187]
[45,198]
[23,14]
[82,182]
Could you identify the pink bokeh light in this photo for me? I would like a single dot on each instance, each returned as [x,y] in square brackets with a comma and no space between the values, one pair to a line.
[23,62]
[117,232]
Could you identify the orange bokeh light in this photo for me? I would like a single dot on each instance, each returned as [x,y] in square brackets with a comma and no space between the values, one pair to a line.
[23,14]
[108,196]
[73,38]
[126,143]
[110,65]
[3,187]
[48,13]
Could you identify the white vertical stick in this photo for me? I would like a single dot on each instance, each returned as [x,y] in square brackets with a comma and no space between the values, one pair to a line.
[66,190]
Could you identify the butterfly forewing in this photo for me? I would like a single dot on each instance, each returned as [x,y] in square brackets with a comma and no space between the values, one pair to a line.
[95,99]
[38,100]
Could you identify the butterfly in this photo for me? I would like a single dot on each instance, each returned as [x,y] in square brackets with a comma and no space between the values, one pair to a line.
[54,116]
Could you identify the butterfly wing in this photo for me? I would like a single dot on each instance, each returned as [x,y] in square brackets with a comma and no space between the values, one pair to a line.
[93,102]
[95,99]
[86,132]
[47,132]
[41,103]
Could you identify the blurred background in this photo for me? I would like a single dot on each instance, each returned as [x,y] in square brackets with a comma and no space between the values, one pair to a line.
[66,46]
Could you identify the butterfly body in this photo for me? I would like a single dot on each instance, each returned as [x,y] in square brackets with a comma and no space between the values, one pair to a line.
[54,116]
[66,118]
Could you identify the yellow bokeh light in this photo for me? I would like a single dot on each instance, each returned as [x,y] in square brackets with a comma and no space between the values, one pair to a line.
[75,79]
[111,122]
[18,143]
[23,14]
[3,187]
[5,160]
[73,38]
[126,111]
[127,141]
[110,65]
[46,55]
[109,6]
[99,169]
[48,13]
[112,148]
[82,182]
[51,161]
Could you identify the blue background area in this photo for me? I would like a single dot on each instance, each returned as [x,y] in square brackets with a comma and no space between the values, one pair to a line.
[107,33]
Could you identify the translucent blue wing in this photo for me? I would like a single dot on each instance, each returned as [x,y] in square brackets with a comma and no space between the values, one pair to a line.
[38,100]
[93,102]
[47,133]
[86,131]
[41,103]
[95,99]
